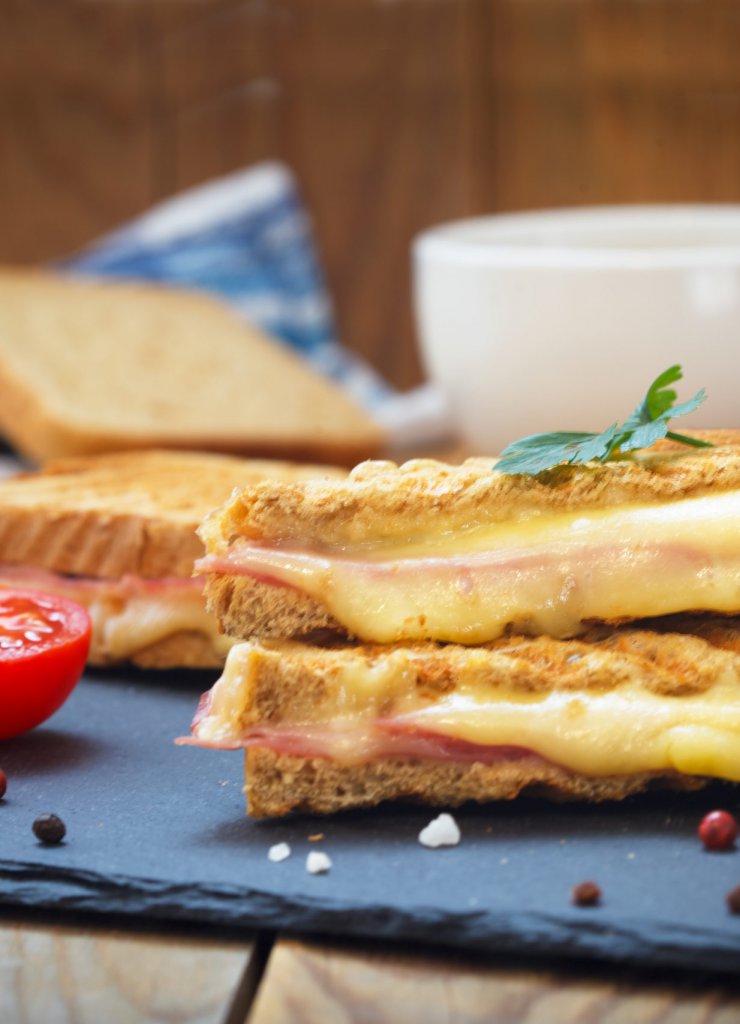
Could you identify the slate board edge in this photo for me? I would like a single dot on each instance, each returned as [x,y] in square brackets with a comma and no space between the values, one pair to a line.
[28,885]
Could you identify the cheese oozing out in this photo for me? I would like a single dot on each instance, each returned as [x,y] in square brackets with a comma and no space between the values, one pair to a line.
[545,573]
[128,614]
[377,710]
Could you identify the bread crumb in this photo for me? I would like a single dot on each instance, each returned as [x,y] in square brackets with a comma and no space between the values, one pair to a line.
[317,862]
[278,852]
[316,837]
[441,831]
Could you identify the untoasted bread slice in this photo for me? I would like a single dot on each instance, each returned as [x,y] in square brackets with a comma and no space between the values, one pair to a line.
[273,693]
[88,366]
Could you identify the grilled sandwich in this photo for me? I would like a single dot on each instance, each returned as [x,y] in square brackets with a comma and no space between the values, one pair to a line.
[116,533]
[448,633]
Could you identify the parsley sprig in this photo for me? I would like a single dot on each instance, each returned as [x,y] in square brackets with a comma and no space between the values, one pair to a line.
[647,424]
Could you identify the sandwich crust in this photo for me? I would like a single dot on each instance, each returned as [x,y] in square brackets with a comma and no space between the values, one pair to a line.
[277,784]
[381,501]
[272,612]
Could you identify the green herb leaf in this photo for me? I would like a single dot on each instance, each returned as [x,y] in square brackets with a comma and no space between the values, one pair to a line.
[647,424]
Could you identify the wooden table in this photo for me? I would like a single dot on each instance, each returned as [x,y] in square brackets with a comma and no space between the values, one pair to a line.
[77,973]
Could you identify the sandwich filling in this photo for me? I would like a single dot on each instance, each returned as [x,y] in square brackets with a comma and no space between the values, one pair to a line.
[620,707]
[544,573]
[128,614]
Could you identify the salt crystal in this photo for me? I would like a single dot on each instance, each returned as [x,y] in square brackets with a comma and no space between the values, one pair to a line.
[441,831]
[317,862]
[278,852]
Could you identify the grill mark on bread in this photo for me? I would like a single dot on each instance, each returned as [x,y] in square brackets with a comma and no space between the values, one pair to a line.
[295,681]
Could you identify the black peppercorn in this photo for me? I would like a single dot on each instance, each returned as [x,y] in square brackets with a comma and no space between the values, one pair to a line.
[586,894]
[49,829]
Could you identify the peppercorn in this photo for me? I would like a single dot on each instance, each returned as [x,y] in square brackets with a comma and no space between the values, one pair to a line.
[733,900]
[718,830]
[586,894]
[3,783]
[49,829]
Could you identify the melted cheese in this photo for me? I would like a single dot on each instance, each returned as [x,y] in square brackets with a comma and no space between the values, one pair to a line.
[145,619]
[621,731]
[545,573]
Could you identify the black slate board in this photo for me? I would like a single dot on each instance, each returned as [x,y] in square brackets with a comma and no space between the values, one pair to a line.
[159,831]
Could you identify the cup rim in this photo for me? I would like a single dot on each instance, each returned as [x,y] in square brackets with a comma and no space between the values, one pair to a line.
[560,237]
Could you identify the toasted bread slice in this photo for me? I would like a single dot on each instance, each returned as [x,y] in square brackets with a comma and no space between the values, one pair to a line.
[127,512]
[287,559]
[277,784]
[117,533]
[544,715]
[89,367]
[381,502]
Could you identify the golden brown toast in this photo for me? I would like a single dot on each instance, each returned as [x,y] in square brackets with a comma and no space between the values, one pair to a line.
[277,784]
[90,366]
[127,512]
[289,684]
[380,503]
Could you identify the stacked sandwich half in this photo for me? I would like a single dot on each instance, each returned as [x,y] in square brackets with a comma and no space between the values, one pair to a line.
[447,633]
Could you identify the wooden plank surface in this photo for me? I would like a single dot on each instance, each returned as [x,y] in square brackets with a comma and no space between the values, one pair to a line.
[77,143]
[59,975]
[308,984]
[393,116]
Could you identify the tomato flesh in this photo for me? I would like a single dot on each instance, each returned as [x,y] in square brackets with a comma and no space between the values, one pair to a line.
[44,643]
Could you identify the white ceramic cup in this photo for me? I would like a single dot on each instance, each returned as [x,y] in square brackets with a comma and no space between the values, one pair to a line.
[560,320]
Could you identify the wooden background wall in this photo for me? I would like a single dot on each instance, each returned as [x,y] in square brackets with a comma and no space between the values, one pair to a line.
[394,114]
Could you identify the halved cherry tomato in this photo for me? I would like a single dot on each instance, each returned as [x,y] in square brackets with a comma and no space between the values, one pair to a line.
[44,642]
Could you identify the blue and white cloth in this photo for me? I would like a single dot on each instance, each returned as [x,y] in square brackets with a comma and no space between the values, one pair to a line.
[247,238]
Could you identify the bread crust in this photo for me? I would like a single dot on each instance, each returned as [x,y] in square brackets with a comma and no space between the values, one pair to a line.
[381,501]
[277,784]
[272,612]
[184,649]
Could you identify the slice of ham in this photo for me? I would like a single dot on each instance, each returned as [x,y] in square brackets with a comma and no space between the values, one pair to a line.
[86,588]
[385,738]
